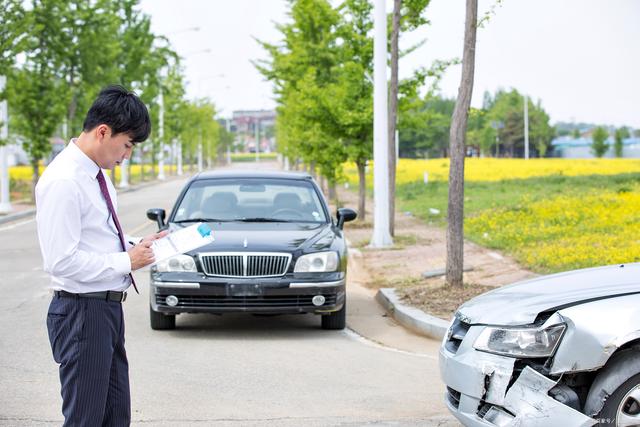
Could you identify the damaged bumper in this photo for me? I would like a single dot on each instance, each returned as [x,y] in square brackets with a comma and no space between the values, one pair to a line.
[483,391]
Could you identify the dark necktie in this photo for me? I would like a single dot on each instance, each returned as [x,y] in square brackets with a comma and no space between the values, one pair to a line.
[107,198]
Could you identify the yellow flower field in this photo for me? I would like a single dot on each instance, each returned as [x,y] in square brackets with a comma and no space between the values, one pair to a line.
[490,169]
[547,225]
[24,173]
[565,232]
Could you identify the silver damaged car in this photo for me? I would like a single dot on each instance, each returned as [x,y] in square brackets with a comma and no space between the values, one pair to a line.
[560,350]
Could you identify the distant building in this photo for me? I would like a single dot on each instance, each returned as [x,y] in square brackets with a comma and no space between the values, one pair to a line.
[245,122]
[580,148]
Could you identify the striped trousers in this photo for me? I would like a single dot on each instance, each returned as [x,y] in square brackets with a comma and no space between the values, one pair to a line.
[87,341]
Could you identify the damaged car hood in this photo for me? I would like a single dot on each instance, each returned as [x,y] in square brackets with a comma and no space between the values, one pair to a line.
[520,303]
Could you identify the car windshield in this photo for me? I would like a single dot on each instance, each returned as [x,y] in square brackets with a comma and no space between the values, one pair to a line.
[251,200]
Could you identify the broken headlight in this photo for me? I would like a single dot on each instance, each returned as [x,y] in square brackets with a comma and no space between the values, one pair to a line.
[521,341]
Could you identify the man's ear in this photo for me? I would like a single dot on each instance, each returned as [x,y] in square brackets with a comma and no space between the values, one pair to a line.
[101,131]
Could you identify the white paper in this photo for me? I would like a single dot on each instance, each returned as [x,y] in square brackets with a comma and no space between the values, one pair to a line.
[181,241]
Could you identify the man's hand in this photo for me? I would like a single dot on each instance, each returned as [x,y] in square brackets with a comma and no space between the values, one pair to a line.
[141,254]
[155,236]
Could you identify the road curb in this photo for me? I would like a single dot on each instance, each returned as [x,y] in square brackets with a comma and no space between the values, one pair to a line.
[16,216]
[410,317]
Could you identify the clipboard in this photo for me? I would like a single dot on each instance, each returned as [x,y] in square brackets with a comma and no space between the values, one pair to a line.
[181,241]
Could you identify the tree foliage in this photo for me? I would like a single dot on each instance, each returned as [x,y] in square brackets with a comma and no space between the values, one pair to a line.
[599,144]
[618,140]
[71,50]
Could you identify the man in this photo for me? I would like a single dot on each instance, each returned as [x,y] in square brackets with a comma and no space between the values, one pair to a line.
[90,260]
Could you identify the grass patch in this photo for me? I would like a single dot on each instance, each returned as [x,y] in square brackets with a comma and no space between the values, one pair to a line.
[549,224]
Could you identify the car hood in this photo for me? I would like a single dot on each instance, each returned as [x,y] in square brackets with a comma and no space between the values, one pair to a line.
[520,303]
[266,237]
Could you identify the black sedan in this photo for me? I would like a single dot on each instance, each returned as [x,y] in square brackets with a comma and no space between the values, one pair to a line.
[277,250]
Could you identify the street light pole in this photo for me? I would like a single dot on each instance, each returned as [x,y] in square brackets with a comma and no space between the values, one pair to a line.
[200,152]
[228,126]
[178,157]
[526,127]
[124,174]
[5,204]
[257,125]
[161,136]
[381,237]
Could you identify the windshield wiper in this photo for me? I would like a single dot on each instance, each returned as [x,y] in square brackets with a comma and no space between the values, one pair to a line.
[201,220]
[261,219]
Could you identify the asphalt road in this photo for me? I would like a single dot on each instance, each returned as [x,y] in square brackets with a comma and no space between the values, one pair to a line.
[233,370]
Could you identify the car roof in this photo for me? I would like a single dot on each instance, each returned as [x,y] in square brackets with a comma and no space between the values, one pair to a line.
[243,173]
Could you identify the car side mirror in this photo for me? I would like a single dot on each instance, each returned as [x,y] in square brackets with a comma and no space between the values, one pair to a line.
[157,215]
[345,215]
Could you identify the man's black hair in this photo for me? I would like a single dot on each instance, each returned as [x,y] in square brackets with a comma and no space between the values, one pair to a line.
[122,111]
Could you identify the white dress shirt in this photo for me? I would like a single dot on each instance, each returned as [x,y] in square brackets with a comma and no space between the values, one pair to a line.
[79,241]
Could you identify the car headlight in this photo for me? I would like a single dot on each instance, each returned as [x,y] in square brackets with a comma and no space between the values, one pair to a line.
[176,263]
[520,342]
[318,262]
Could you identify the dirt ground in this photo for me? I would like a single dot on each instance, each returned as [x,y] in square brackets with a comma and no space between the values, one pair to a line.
[420,248]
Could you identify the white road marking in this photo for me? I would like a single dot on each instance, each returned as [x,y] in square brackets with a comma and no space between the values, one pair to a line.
[16,224]
[140,228]
[356,336]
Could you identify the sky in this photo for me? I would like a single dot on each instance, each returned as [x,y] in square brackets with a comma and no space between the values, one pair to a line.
[579,58]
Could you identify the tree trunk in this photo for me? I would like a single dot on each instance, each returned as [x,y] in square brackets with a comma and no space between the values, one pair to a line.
[141,166]
[455,214]
[34,178]
[393,114]
[333,194]
[362,189]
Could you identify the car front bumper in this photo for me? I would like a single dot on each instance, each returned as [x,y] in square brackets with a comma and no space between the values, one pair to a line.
[483,390]
[248,296]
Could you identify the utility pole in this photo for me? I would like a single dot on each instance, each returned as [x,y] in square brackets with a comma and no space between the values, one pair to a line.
[381,237]
[200,152]
[228,126]
[124,174]
[5,204]
[257,126]
[526,127]
[161,137]
[178,157]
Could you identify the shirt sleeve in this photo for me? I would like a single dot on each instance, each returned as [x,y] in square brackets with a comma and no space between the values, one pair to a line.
[58,219]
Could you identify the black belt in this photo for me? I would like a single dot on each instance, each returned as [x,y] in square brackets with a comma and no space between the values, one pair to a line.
[106,295]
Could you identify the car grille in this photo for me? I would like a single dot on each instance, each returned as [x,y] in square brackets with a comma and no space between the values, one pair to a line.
[456,334]
[245,264]
[263,301]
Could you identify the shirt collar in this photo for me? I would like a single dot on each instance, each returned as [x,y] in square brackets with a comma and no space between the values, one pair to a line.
[82,159]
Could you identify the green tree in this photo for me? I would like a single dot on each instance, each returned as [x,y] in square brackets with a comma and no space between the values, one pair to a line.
[300,66]
[576,133]
[507,108]
[620,135]
[13,33]
[424,125]
[455,207]
[87,28]
[599,144]
[37,91]
[407,16]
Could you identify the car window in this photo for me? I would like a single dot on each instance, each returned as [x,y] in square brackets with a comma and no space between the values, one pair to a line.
[237,199]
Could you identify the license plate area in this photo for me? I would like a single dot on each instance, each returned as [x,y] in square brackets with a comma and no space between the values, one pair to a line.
[244,289]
